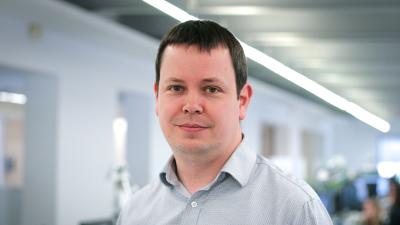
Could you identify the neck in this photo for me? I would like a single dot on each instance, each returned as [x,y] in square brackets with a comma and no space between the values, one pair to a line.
[194,175]
[196,171]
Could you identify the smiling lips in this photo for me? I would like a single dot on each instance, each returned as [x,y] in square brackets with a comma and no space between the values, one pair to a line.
[192,127]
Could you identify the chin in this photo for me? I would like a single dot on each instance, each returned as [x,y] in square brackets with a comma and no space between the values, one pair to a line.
[192,148]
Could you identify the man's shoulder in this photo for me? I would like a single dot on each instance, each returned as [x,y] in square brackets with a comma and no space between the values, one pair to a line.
[275,178]
[144,196]
[141,202]
[147,192]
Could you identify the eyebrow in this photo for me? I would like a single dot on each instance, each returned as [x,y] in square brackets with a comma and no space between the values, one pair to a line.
[211,80]
[174,80]
[204,81]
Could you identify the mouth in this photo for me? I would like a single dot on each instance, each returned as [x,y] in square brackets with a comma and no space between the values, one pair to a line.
[192,127]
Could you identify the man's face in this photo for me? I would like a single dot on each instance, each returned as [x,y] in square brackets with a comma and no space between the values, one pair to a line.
[197,102]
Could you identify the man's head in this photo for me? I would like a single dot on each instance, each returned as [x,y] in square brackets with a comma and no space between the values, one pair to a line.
[206,35]
[199,103]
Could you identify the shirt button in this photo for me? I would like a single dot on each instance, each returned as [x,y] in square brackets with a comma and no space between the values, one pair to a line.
[194,204]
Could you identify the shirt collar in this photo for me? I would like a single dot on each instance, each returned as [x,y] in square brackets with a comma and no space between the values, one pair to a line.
[239,166]
[168,174]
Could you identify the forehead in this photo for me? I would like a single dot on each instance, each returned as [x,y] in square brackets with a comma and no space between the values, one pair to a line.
[195,51]
[189,61]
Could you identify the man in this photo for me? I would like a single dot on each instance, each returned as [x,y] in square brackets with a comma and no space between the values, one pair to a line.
[202,94]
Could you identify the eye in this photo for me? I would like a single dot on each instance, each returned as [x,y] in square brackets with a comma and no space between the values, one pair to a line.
[212,90]
[175,88]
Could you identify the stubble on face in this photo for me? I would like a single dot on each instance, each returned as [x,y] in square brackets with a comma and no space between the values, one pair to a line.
[191,144]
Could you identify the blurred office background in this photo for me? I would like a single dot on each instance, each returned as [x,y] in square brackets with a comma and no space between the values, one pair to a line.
[78,131]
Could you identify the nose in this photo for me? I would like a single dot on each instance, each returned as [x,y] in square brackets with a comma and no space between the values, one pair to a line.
[192,104]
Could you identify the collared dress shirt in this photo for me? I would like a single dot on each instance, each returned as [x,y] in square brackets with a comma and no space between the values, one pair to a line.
[249,190]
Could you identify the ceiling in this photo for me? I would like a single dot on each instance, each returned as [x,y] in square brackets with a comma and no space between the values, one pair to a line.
[351,47]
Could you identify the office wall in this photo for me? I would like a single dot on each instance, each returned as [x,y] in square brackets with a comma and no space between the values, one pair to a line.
[40,174]
[291,115]
[93,60]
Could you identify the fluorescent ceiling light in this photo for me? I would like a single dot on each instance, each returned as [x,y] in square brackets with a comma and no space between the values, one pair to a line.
[287,73]
[14,98]
[234,10]
[171,10]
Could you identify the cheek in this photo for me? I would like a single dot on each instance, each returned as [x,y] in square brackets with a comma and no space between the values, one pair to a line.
[226,113]
[167,109]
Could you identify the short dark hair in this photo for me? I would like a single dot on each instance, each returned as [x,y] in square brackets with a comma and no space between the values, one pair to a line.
[207,35]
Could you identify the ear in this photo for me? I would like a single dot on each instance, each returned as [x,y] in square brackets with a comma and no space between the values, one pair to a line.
[244,100]
[155,89]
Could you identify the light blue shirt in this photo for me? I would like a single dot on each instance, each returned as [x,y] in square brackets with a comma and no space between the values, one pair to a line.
[249,190]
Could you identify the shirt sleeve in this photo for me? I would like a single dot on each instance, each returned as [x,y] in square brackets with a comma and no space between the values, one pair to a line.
[313,212]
